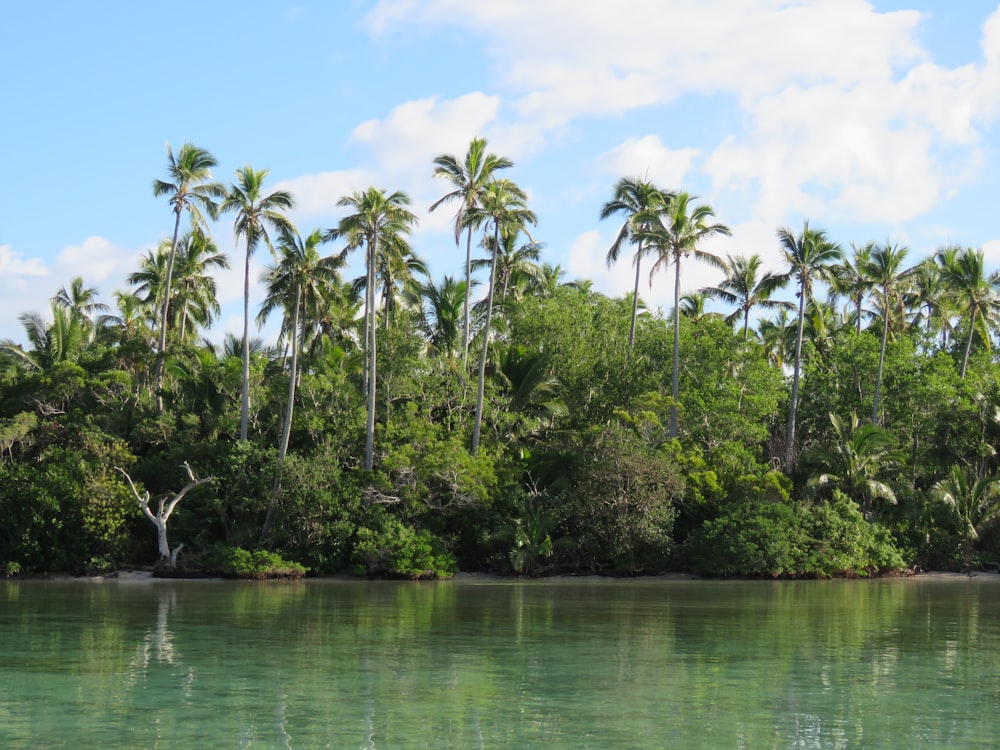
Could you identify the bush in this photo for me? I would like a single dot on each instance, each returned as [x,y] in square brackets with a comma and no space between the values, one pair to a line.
[396,550]
[234,562]
[791,540]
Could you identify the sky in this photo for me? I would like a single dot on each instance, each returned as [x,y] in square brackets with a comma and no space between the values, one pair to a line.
[872,120]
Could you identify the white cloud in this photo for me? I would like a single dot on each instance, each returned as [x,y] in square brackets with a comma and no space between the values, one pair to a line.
[316,195]
[647,157]
[96,260]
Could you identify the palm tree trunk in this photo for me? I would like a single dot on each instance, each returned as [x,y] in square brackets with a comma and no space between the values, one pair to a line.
[881,364]
[790,437]
[635,298]
[675,377]
[968,344]
[286,427]
[481,393]
[245,384]
[465,307]
[161,353]
[370,298]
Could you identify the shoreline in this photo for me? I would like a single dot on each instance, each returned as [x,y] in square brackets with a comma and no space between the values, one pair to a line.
[145,576]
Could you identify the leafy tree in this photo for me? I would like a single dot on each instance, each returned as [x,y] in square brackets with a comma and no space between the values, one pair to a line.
[256,213]
[809,256]
[469,178]
[674,233]
[638,200]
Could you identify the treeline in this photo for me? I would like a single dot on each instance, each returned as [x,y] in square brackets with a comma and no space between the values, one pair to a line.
[501,418]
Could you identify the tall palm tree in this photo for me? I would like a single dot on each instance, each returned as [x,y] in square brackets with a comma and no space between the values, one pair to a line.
[975,293]
[888,279]
[397,269]
[469,178]
[503,206]
[378,219]
[674,233]
[256,213]
[746,289]
[191,188]
[809,256]
[80,299]
[850,279]
[638,200]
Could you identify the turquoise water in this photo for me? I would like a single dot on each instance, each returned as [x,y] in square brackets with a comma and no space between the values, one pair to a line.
[566,664]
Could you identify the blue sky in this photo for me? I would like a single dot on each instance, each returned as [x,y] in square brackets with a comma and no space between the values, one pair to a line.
[873,120]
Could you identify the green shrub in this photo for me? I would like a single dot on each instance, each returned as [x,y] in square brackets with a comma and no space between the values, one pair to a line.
[234,562]
[793,540]
[397,550]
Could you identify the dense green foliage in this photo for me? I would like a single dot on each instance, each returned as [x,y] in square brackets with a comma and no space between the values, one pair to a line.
[543,436]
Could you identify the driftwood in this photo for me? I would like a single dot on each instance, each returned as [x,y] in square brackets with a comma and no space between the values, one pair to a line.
[159,519]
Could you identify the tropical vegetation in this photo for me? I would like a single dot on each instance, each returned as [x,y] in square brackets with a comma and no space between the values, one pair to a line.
[838,415]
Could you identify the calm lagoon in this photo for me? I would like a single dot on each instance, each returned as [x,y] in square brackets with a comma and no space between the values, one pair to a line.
[576,664]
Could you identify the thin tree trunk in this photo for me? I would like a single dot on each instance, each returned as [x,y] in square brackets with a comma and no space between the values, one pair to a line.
[481,393]
[881,364]
[370,296]
[245,384]
[968,344]
[790,437]
[675,377]
[635,298]
[161,353]
[465,306]
[286,427]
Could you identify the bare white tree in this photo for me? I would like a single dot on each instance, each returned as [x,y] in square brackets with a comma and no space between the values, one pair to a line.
[159,519]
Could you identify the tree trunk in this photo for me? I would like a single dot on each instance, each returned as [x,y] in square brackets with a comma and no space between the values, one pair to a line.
[675,377]
[635,298]
[881,364]
[370,296]
[465,306]
[968,345]
[481,393]
[790,437]
[161,353]
[245,385]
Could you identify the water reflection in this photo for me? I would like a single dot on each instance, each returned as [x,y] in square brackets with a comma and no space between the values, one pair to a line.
[453,665]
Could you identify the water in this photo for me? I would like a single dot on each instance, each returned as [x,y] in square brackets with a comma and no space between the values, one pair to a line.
[639,664]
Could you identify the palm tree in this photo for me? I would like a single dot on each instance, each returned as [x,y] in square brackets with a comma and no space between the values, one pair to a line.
[504,206]
[637,200]
[469,178]
[674,233]
[396,271]
[884,271]
[441,319]
[516,264]
[929,300]
[855,460]
[62,340]
[80,300]
[777,335]
[191,189]
[299,275]
[809,256]
[974,499]
[255,214]
[850,279]
[378,219]
[974,292]
[195,294]
[746,289]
